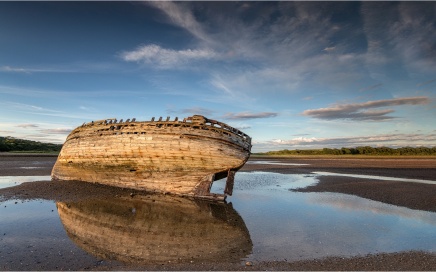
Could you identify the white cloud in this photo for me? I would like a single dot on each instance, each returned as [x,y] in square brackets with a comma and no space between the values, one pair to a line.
[249,115]
[30,108]
[221,84]
[289,47]
[296,141]
[185,112]
[279,54]
[181,14]
[12,69]
[279,47]
[62,131]
[197,110]
[242,126]
[397,36]
[45,132]
[28,70]
[359,111]
[329,49]
[88,109]
[37,110]
[27,126]
[167,58]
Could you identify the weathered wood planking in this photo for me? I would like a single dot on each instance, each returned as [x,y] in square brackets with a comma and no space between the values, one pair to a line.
[178,157]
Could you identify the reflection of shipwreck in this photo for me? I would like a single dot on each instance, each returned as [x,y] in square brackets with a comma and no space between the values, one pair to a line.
[156,228]
[179,157]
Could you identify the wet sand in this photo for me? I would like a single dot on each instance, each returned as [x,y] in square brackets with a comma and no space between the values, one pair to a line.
[15,164]
[411,195]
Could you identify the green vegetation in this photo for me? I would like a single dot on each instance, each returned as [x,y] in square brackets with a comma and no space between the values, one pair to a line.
[360,150]
[10,144]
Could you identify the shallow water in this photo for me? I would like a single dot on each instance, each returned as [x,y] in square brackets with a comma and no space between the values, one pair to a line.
[9,181]
[287,225]
[376,177]
[263,220]
[275,163]
[32,237]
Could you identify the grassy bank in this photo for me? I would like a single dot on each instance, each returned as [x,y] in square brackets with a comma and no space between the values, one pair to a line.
[11,144]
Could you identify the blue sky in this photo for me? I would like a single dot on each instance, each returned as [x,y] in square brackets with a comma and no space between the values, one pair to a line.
[292,75]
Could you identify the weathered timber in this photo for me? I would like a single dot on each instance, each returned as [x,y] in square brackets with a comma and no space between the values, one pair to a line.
[177,157]
[156,228]
[230,182]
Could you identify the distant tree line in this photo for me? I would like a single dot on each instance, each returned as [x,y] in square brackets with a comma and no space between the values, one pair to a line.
[10,144]
[360,150]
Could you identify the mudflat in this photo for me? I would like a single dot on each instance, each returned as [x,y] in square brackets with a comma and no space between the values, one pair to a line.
[19,164]
[417,196]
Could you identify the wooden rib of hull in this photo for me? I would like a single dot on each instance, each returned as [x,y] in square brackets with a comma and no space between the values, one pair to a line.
[156,229]
[176,157]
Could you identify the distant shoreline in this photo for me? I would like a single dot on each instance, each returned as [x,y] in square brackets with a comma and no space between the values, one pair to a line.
[357,156]
[359,150]
[259,156]
[28,154]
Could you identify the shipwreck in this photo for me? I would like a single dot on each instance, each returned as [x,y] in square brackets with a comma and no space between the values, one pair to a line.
[177,157]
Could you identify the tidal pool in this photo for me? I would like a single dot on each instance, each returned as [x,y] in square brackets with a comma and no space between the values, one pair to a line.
[276,163]
[376,177]
[286,225]
[9,181]
[32,237]
[263,221]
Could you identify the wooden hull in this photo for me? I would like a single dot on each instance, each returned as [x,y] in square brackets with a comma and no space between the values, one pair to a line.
[182,158]
[156,229]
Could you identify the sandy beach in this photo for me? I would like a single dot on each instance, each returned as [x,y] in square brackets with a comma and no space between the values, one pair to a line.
[411,195]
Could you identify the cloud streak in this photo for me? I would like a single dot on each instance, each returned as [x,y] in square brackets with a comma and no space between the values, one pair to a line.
[12,69]
[37,110]
[51,131]
[167,58]
[181,15]
[371,87]
[397,37]
[285,45]
[425,83]
[27,126]
[190,111]
[360,111]
[33,70]
[249,115]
